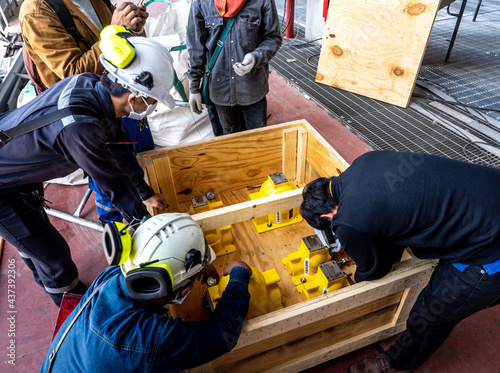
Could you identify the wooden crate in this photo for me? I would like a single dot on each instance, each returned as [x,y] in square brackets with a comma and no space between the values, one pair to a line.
[303,333]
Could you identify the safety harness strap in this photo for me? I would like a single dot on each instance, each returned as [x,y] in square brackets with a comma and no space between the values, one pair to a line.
[220,43]
[67,21]
[40,122]
[52,357]
[177,83]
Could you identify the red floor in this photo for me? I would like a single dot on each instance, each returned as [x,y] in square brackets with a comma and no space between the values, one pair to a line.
[472,347]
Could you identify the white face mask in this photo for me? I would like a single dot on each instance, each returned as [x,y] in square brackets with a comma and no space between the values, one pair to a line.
[138,116]
[177,300]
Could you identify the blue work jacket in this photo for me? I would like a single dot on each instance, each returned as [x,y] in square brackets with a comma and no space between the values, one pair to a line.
[116,333]
[76,141]
[256,30]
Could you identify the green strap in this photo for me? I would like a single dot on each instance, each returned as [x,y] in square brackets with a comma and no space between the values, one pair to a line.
[146,3]
[179,88]
[177,83]
[178,48]
[220,43]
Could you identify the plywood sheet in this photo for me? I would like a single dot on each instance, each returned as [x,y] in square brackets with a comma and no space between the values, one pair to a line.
[375,47]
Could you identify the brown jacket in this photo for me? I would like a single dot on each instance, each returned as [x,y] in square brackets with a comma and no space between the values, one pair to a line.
[55,52]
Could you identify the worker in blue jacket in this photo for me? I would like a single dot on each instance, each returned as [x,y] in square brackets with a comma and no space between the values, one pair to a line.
[442,209]
[120,323]
[91,140]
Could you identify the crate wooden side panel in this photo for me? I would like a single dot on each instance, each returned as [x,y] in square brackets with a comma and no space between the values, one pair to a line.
[342,347]
[342,322]
[321,159]
[225,163]
[277,356]
[375,48]
[387,306]
[360,317]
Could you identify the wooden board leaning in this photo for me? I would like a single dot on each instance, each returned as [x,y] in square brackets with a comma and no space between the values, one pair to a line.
[375,48]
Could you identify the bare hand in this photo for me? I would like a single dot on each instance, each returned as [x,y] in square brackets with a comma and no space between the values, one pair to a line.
[235,263]
[158,201]
[129,15]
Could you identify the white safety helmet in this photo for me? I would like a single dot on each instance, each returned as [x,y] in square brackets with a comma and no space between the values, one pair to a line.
[150,74]
[168,251]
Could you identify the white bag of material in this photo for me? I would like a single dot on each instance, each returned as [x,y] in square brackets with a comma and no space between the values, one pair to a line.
[75,178]
[171,22]
[179,125]
[27,94]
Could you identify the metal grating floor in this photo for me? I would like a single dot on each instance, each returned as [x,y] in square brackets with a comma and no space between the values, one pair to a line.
[471,77]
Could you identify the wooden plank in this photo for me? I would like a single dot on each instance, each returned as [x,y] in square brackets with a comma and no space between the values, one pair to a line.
[409,297]
[151,179]
[164,178]
[375,48]
[389,304]
[269,358]
[334,350]
[301,155]
[248,210]
[225,163]
[260,329]
[289,158]
[230,163]
[322,158]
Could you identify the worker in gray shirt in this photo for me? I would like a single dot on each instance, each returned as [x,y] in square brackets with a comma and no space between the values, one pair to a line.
[239,80]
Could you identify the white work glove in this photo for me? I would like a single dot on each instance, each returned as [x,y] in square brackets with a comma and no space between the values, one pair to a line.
[195,102]
[244,67]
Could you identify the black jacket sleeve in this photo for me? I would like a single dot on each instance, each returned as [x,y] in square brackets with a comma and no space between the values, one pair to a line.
[127,160]
[84,143]
[373,257]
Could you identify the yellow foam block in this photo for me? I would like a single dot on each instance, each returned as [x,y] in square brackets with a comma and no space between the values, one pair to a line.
[264,291]
[276,183]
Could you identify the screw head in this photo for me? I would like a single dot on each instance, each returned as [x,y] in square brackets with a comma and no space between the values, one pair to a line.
[211,281]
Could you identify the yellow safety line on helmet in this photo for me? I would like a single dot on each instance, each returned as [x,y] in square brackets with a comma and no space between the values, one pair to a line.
[331,188]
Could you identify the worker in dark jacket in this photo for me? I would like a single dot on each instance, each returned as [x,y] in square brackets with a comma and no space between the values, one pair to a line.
[90,141]
[51,53]
[440,208]
[123,329]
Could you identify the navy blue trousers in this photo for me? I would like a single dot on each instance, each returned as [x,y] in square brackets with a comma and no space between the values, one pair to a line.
[24,224]
[240,118]
[450,297]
